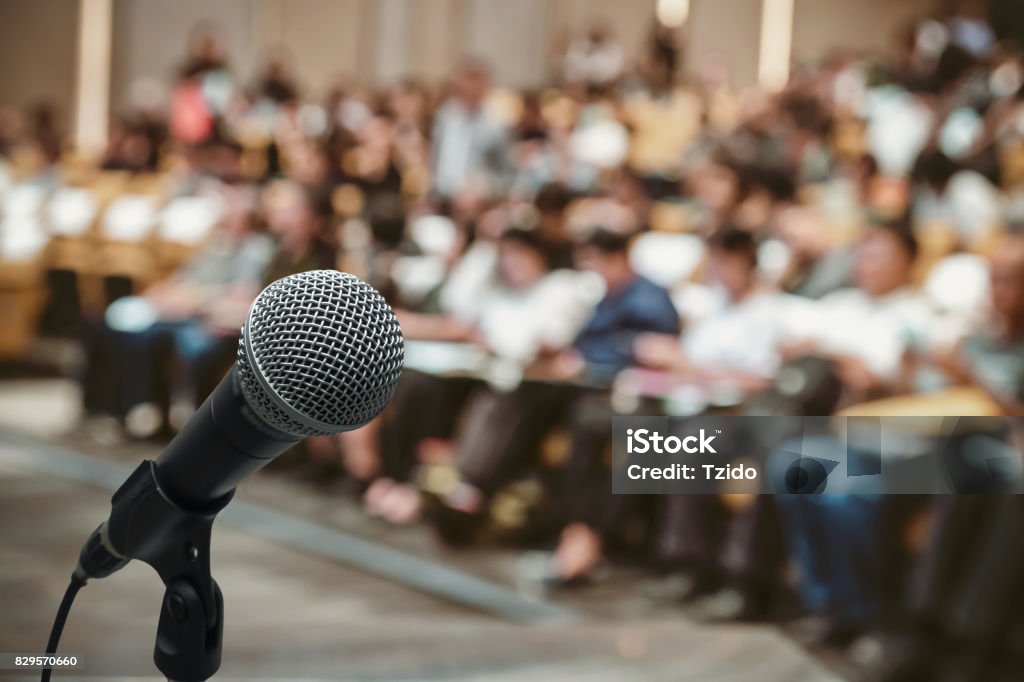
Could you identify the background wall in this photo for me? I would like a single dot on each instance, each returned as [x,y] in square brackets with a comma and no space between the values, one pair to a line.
[725,30]
[150,37]
[385,40]
[869,25]
[37,51]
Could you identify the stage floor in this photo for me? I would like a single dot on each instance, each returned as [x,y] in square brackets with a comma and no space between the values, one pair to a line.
[307,598]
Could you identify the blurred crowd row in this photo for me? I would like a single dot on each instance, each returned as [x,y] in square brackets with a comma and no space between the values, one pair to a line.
[629,240]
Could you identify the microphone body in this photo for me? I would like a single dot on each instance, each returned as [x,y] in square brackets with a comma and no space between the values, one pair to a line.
[320,353]
[222,443]
[196,475]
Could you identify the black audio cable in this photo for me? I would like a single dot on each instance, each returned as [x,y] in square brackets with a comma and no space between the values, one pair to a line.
[77,583]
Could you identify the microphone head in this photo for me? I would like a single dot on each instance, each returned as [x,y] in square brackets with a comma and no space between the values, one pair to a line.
[320,353]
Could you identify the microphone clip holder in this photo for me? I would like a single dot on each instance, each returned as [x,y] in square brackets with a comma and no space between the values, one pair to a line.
[145,524]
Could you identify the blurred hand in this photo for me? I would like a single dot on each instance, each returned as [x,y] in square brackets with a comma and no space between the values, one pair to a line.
[856,374]
[949,362]
[226,316]
[792,350]
[560,366]
[659,350]
[173,301]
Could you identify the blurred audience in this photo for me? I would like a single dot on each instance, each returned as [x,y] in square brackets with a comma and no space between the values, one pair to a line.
[633,239]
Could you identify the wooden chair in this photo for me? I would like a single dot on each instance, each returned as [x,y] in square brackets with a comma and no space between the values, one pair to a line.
[1011,163]
[22,295]
[936,240]
[125,248]
[670,216]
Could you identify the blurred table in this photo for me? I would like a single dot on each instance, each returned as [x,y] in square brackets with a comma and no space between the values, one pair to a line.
[955,402]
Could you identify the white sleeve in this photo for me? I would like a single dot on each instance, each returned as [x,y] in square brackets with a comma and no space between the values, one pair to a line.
[567,299]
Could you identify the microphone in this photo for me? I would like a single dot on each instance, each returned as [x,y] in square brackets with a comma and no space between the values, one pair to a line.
[320,353]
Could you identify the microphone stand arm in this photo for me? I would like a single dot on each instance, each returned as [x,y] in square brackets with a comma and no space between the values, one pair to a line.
[145,524]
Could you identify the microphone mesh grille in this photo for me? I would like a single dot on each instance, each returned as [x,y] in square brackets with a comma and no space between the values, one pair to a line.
[327,345]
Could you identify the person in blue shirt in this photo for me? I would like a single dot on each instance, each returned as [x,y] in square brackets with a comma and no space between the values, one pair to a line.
[503,431]
[632,305]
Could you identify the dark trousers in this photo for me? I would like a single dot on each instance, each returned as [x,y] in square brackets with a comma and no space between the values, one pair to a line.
[424,406]
[698,532]
[967,584]
[845,542]
[504,432]
[125,369]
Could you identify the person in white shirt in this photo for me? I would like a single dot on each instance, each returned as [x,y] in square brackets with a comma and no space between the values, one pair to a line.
[738,341]
[472,152]
[518,307]
[516,304]
[867,329]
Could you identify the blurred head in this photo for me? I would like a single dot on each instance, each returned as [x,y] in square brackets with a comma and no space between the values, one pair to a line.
[802,230]
[205,44]
[715,185]
[136,148]
[241,215]
[935,169]
[407,102]
[1007,277]
[885,257]
[309,163]
[472,83]
[552,202]
[221,157]
[732,260]
[296,216]
[278,62]
[599,32]
[377,131]
[522,259]
[606,253]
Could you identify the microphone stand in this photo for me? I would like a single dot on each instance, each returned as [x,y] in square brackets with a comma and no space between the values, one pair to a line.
[145,524]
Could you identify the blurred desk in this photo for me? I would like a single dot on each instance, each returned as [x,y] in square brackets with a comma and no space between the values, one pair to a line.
[445,358]
[681,396]
[954,402]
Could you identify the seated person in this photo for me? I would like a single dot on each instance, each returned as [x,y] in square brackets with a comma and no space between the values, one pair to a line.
[738,340]
[190,318]
[504,429]
[816,267]
[963,589]
[517,309]
[992,358]
[736,344]
[865,330]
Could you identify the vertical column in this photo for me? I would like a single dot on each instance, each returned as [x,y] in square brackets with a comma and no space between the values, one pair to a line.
[776,43]
[92,94]
[393,28]
[725,32]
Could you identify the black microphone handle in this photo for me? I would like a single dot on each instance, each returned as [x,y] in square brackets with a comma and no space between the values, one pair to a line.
[221,444]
